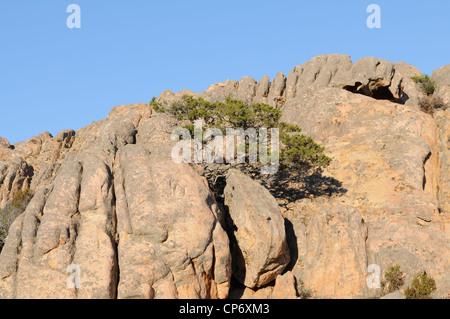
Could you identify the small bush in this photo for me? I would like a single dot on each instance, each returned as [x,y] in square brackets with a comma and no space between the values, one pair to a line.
[429,104]
[393,280]
[427,85]
[7,217]
[9,214]
[303,292]
[22,199]
[158,107]
[421,287]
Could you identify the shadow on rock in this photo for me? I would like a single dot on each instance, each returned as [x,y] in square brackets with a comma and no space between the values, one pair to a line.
[294,185]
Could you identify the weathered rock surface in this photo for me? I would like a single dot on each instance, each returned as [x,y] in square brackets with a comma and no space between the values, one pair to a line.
[333,253]
[171,244]
[43,148]
[13,178]
[386,164]
[443,120]
[441,77]
[369,76]
[5,147]
[99,212]
[69,223]
[109,201]
[411,90]
[261,253]
[39,157]
[284,288]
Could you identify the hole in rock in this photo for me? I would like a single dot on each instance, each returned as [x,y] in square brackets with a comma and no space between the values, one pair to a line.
[379,93]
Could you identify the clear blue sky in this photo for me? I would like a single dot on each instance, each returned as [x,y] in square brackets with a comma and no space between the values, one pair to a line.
[53,77]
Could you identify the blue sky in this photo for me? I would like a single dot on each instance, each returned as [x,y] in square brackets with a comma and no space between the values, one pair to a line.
[54,78]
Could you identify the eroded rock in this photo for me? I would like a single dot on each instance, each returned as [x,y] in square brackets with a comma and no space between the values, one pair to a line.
[171,244]
[334,260]
[110,201]
[261,253]
[386,161]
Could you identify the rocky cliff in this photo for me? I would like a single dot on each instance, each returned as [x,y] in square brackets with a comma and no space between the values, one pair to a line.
[109,199]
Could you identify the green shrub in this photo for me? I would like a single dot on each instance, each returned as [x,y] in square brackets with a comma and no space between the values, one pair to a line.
[158,107]
[22,199]
[430,102]
[393,280]
[427,85]
[302,150]
[421,287]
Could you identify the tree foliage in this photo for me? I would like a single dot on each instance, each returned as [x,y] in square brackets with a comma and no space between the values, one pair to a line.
[297,150]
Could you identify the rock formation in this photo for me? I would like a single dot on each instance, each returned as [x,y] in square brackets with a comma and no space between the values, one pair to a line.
[109,201]
[388,159]
[261,252]
[370,76]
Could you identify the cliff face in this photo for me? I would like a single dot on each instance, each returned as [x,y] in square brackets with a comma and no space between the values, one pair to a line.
[387,161]
[109,199]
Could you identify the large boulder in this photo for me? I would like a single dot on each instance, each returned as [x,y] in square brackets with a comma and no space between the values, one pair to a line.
[412,93]
[261,252]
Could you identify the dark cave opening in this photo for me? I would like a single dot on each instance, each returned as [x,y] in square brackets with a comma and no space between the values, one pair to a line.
[378,93]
